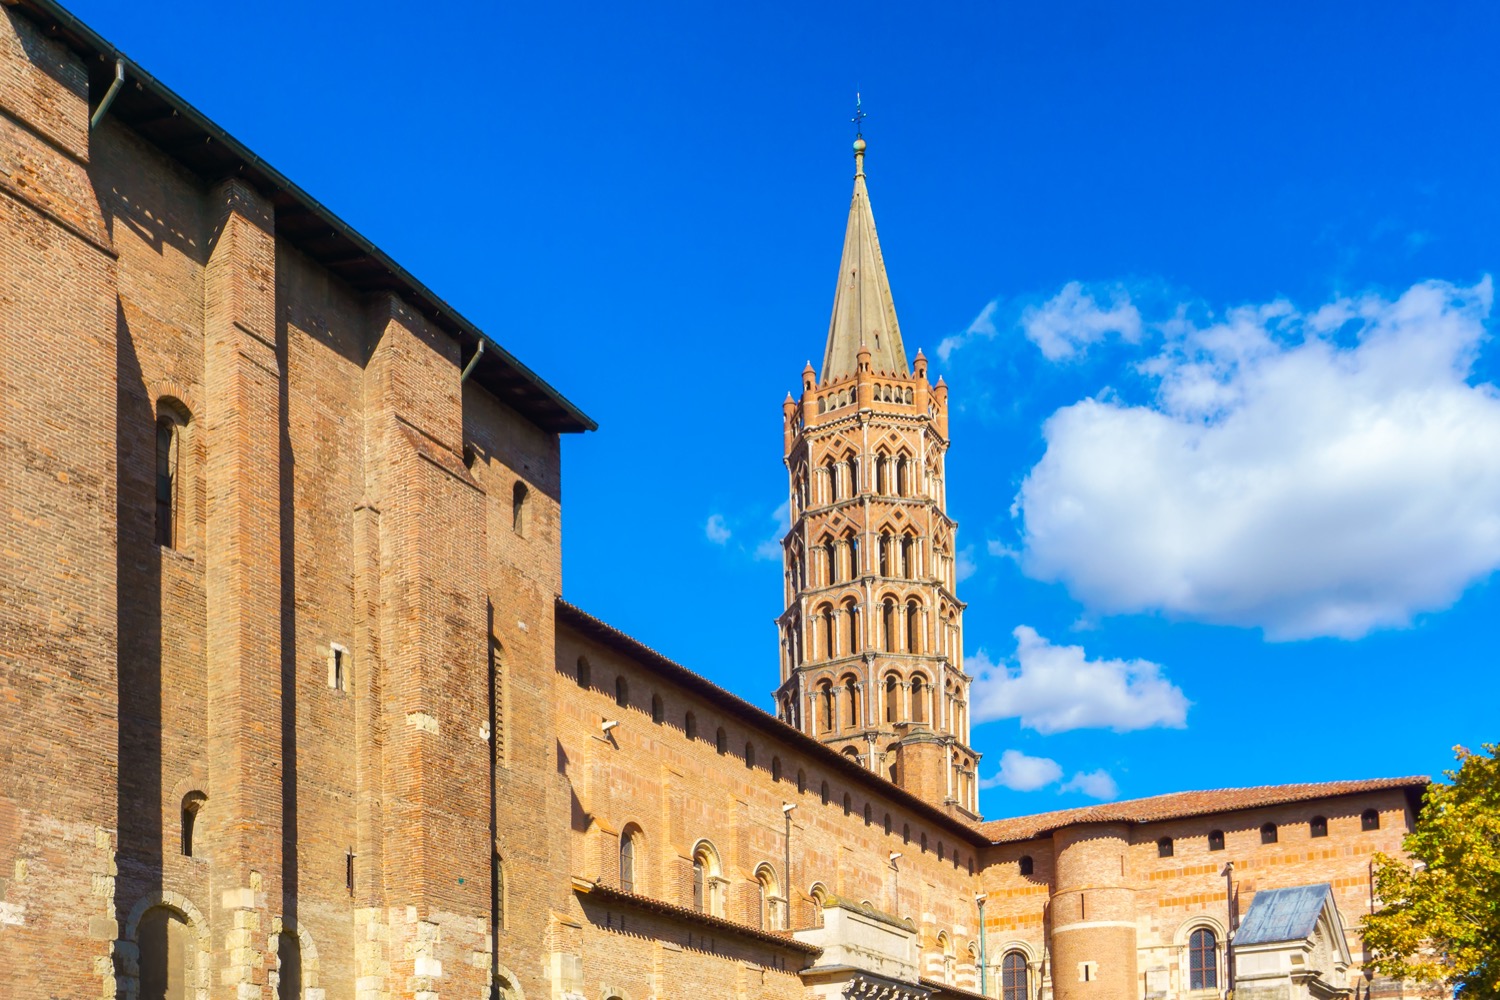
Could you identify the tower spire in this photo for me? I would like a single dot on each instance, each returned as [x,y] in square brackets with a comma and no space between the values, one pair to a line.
[864,314]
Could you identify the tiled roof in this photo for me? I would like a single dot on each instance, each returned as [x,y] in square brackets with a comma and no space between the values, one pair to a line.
[608,893]
[1178,805]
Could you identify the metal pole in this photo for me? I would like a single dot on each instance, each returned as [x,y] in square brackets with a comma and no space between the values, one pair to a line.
[1229,923]
[984,986]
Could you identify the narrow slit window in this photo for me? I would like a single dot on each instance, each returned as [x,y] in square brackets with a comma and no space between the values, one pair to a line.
[168,457]
[192,802]
[349,870]
[338,667]
[518,497]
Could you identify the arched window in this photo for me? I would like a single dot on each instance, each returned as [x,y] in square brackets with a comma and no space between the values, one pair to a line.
[831,561]
[801,781]
[1027,865]
[825,695]
[913,628]
[769,899]
[690,726]
[848,804]
[854,485]
[585,673]
[887,824]
[168,487]
[1164,847]
[708,893]
[869,815]
[941,855]
[817,899]
[924,843]
[658,709]
[903,476]
[1369,820]
[721,740]
[775,768]
[622,691]
[883,474]
[906,833]
[518,495]
[192,802]
[851,693]
[1014,983]
[1268,833]
[629,848]
[892,694]
[832,471]
[888,623]
[856,644]
[1318,826]
[824,793]
[830,631]
[918,698]
[750,755]
[1216,840]
[909,558]
[1203,960]
[886,552]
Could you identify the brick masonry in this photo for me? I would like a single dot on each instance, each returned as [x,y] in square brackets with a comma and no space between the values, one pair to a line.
[431,825]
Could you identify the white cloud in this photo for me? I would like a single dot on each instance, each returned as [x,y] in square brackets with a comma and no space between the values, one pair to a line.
[769,549]
[1318,474]
[716,530]
[995,547]
[983,326]
[965,566]
[1073,318]
[1095,784]
[1053,689]
[1021,773]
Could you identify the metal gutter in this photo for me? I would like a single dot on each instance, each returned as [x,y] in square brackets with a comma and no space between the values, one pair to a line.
[162,117]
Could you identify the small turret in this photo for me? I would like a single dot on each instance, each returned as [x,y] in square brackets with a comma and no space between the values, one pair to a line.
[919,365]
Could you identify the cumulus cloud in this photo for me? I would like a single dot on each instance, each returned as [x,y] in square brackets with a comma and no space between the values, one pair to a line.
[1073,318]
[983,326]
[1021,773]
[1095,784]
[965,566]
[1310,474]
[769,549]
[1053,689]
[716,530]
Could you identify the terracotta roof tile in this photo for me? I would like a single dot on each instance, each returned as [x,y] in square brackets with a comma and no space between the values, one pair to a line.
[1182,804]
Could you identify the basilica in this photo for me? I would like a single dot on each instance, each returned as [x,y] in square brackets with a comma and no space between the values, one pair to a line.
[294,703]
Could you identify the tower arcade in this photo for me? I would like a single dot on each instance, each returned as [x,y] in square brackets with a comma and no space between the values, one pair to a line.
[871,638]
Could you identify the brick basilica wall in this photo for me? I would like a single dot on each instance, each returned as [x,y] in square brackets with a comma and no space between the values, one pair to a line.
[349,675]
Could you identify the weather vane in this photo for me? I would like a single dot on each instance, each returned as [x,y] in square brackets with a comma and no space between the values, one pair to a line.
[859,117]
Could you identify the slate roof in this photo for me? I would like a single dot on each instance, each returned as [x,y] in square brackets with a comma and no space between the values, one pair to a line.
[1283,914]
[1178,805]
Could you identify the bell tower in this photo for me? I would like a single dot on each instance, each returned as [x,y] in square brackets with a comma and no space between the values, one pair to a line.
[872,635]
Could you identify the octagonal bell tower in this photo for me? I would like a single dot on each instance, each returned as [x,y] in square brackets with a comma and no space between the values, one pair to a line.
[872,635]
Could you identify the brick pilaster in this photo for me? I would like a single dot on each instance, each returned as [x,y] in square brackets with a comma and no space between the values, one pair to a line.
[242,376]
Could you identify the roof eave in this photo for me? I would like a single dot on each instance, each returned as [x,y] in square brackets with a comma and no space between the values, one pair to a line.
[213,154]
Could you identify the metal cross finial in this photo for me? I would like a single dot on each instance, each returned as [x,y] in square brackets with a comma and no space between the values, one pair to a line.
[859,117]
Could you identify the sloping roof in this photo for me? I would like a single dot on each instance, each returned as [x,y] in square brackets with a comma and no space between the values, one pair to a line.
[157,114]
[608,893]
[1283,914]
[863,311]
[607,635]
[1178,805]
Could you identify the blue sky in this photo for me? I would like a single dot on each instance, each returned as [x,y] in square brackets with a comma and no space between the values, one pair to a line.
[1209,283]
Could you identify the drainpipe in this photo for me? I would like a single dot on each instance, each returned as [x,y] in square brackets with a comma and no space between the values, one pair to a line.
[468,368]
[786,894]
[984,986]
[109,95]
[1228,874]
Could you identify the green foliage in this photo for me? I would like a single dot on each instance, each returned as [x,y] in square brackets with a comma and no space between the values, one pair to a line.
[1440,922]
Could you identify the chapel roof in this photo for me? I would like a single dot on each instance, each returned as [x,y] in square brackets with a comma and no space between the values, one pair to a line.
[1178,805]
[1288,914]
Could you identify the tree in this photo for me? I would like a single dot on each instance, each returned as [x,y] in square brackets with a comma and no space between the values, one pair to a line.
[1440,922]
